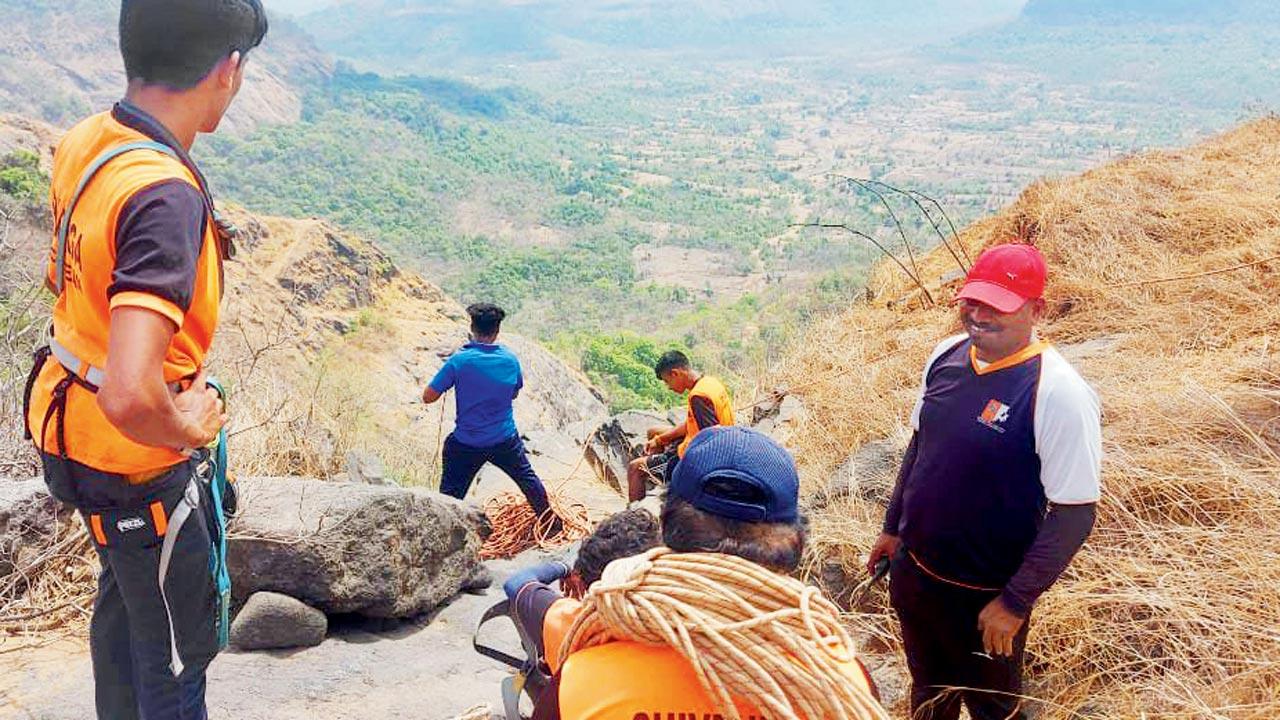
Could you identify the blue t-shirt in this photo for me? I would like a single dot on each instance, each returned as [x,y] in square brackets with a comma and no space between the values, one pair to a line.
[487,378]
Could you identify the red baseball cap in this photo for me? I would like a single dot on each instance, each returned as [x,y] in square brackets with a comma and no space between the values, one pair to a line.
[1006,277]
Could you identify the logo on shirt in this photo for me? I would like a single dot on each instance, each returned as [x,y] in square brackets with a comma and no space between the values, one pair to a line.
[993,414]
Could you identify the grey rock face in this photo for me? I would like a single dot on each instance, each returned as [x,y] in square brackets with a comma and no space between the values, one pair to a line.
[617,442]
[271,620]
[366,468]
[378,551]
[869,472]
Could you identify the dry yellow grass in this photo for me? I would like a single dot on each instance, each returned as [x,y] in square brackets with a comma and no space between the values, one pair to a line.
[1171,609]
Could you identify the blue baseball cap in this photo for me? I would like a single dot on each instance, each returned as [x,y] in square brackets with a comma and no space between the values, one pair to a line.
[740,474]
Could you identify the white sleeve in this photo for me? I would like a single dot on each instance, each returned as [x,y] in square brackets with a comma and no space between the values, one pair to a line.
[942,347]
[1068,430]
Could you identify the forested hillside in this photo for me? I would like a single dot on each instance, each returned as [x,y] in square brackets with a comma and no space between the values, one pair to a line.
[622,193]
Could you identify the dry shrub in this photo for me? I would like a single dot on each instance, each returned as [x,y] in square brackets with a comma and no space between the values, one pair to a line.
[1170,610]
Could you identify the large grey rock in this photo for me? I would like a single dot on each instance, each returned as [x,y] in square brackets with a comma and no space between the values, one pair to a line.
[868,473]
[617,442]
[271,620]
[29,519]
[782,417]
[378,551]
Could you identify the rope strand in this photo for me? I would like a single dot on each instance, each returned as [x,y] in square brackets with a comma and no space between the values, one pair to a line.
[751,635]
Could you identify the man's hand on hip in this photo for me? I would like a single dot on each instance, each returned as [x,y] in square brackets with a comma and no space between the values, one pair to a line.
[998,626]
[886,546]
[203,410]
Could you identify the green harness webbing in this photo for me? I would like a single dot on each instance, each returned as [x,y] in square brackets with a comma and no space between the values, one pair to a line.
[218,488]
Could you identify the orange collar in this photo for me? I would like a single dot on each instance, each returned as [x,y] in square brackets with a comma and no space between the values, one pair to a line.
[1017,358]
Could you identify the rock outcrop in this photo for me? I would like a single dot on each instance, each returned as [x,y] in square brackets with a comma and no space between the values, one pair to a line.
[374,550]
[869,473]
[270,620]
[617,442]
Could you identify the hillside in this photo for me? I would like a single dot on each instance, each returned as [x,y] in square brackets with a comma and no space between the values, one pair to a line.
[1208,12]
[325,344]
[423,36]
[1163,279]
[61,61]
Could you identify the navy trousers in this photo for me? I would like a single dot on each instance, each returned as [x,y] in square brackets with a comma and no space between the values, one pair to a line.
[944,649]
[462,462]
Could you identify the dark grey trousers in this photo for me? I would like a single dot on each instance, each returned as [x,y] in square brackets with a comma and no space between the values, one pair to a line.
[136,630]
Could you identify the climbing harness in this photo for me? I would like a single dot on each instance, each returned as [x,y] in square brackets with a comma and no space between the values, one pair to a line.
[532,676]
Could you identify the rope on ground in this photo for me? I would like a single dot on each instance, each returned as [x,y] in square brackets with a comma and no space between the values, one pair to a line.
[765,639]
[515,529]
[514,526]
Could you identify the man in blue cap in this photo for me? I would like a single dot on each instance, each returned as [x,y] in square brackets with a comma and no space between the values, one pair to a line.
[735,493]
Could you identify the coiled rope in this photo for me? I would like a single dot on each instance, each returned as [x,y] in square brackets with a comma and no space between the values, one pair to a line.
[516,529]
[750,634]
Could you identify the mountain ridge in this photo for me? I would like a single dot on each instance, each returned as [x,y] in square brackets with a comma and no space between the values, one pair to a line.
[59,62]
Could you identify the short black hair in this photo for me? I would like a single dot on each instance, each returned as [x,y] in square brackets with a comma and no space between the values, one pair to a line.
[178,42]
[670,360]
[623,534]
[777,546]
[486,318]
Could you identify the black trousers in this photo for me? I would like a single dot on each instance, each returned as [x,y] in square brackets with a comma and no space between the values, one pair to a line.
[944,649]
[136,628]
[462,462]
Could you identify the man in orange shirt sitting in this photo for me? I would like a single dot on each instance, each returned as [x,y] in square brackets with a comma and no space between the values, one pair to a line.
[709,405]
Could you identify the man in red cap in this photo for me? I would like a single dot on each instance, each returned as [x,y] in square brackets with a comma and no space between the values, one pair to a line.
[996,493]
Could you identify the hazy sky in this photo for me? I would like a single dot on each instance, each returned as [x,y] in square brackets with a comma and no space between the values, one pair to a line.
[295,7]
[303,6]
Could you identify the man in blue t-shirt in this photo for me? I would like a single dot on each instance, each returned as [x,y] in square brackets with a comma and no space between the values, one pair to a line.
[487,378]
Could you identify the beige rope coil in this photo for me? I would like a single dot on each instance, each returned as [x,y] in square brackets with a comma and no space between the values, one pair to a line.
[749,633]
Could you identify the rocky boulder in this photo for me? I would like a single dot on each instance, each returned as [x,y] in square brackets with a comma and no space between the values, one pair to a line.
[869,473]
[29,519]
[374,550]
[270,620]
[779,417]
[617,442]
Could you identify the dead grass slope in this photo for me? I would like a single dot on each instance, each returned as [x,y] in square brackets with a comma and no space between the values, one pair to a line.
[1158,295]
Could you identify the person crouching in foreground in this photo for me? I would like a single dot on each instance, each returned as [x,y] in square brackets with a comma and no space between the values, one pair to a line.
[711,623]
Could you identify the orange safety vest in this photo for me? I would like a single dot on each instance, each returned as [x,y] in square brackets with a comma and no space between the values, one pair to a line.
[626,680]
[713,390]
[82,312]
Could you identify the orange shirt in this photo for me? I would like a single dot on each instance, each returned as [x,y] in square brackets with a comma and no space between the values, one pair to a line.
[628,680]
[82,314]
[714,391]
